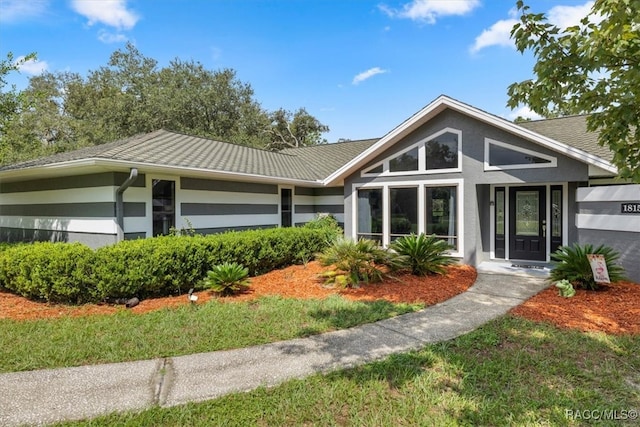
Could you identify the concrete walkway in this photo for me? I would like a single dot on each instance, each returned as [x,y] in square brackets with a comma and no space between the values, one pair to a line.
[46,396]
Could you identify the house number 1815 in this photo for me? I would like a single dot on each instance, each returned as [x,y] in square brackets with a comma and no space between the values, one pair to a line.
[630,208]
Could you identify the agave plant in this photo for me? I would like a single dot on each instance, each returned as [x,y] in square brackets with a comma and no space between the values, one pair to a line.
[227,279]
[571,263]
[354,261]
[422,254]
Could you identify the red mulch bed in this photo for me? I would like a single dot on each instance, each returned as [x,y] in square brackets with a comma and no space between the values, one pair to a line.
[297,281]
[614,309]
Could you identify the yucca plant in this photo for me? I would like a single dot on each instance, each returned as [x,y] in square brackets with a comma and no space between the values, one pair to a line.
[354,262]
[571,263]
[422,254]
[227,279]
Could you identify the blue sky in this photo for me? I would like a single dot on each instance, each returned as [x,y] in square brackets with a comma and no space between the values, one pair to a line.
[361,67]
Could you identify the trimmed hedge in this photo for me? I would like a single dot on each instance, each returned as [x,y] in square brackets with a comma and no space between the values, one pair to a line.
[161,266]
[55,272]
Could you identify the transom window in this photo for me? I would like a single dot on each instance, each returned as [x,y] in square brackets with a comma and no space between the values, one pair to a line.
[499,156]
[438,153]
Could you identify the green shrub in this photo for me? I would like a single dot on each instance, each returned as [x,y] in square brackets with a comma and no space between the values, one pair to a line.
[227,278]
[422,254]
[565,288]
[571,263]
[354,262]
[150,267]
[328,222]
[54,272]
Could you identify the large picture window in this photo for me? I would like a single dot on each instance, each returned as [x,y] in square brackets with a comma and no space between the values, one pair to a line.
[404,211]
[387,211]
[370,214]
[441,214]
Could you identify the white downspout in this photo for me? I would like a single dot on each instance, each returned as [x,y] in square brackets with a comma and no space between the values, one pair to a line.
[120,203]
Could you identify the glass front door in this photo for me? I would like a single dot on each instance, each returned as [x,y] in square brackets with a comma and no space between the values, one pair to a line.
[527,224]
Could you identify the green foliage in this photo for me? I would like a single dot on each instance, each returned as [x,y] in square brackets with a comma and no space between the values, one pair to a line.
[571,263]
[565,288]
[131,95]
[160,266]
[589,68]
[324,222]
[422,254]
[227,279]
[354,262]
[54,272]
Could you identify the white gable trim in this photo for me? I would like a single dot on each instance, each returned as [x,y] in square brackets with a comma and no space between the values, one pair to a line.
[441,104]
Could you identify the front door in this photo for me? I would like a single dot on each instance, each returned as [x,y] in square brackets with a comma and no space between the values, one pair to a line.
[527,223]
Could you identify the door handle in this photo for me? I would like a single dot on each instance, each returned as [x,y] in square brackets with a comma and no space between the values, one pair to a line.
[544,228]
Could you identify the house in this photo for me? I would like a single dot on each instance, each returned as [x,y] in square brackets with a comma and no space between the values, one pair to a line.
[494,189]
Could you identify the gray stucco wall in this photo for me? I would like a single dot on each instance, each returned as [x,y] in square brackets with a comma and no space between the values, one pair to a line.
[476,180]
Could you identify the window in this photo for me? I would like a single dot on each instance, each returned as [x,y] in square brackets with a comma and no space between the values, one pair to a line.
[375,169]
[370,214]
[442,152]
[164,206]
[404,211]
[438,153]
[499,155]
[407,161]
[286,207]
[441,214]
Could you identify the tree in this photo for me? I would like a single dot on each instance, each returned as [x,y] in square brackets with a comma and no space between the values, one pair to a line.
[592,68]
[291,130]
[16,142]
[132,95]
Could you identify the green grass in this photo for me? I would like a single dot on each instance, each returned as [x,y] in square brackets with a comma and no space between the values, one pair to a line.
[28,345]
[510,372]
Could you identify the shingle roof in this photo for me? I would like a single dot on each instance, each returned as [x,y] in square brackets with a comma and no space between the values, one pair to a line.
[174,149]
[570,130]
[314,163]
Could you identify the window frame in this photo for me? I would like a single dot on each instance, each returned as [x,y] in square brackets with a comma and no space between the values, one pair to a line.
[421,188]
[422,161]
[553,161]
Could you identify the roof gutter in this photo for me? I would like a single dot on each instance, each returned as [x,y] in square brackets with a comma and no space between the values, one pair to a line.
[133,175]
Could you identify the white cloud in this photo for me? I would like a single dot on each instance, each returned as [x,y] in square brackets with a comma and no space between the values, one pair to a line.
[524,112]
[499,34]
[107,37]
[567,16]
[561,16]
[113,13]
[430,10]
[368,74]
[16,10]
[32,67]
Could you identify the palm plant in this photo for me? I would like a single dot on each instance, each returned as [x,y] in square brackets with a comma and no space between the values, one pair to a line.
[422,254]
[571,263]
[227,279]
[354,261]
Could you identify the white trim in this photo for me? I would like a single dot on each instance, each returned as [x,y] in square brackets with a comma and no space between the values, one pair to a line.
[619,223]
[553,161]
[609,193]
[422,161]
[421,185]
[441,104]
[107,165]
[64,224]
